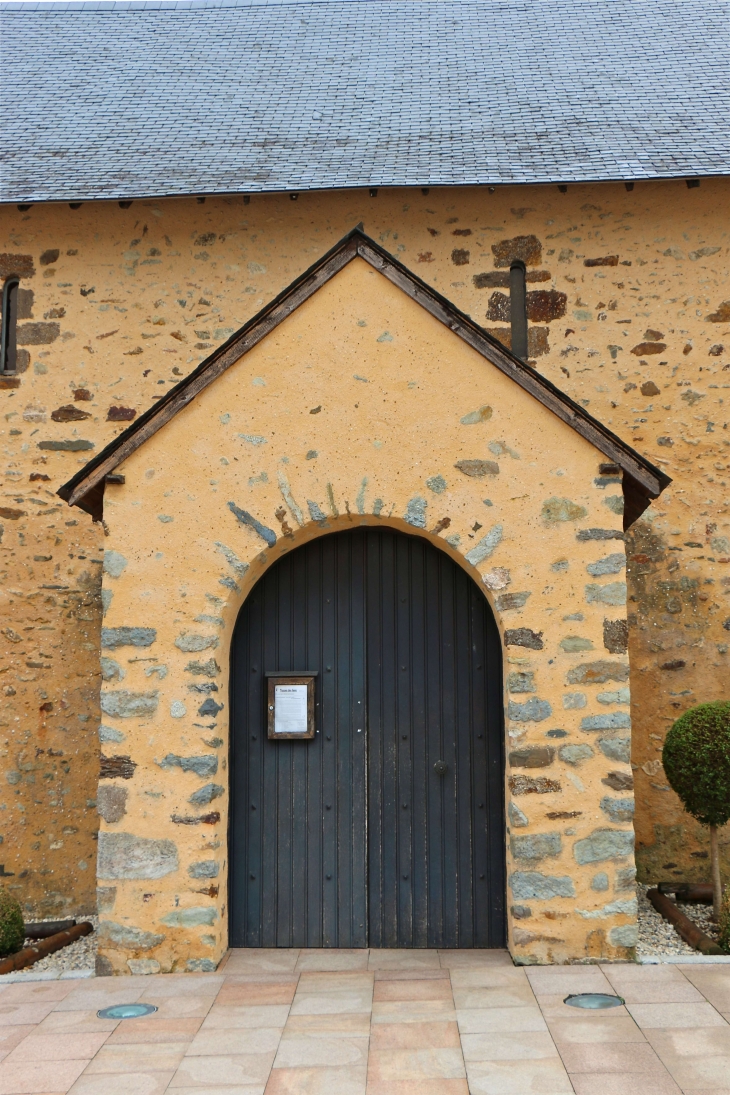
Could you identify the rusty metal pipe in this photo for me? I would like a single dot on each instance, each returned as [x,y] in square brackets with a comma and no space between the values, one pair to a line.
[683,925]
[693,893]
[44,929]
[29,955]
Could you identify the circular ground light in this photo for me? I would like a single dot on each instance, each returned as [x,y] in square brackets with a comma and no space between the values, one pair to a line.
[126,1011]
[593,1001]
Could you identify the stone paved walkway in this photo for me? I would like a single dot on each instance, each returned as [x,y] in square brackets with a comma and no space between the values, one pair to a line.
[379,1023]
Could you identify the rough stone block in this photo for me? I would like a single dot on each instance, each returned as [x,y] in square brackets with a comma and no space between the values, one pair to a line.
[122,935]
[575,754]
[123,855]
[191,918]
[206,794]
[534,710]
[532,756]
[112,637]
[111,802]
[121,704]
[604,844]
[536,846]
[521,682]
[612,720]
[207,868]
[612,594]
[619,810]
[533,886]
[618,748]
[598,672]
[206,765]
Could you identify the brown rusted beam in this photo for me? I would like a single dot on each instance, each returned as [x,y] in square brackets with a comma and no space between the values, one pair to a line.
[29,955]
[683,925]
[44,929]
[693,893]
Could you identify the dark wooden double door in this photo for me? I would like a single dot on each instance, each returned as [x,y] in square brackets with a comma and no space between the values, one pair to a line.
[386,829]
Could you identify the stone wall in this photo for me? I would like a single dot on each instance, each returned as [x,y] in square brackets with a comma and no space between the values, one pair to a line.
[629,314]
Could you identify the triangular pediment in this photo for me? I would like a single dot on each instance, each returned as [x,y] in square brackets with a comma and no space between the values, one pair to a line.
[642,481]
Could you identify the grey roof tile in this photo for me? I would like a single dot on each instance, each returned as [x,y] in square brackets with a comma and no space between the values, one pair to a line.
[132,99]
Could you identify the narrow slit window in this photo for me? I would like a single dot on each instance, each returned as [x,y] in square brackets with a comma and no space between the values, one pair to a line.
[518,309]
[9,350]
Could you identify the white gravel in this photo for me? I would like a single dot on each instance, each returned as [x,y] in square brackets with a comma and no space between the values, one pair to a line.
[76,957]
[657,937]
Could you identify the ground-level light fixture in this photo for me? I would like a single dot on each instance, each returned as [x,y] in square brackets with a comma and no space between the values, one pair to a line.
[126,1011]
[593,1001]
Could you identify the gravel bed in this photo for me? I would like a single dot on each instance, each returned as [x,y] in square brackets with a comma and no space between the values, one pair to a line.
[80,955]
[658,937]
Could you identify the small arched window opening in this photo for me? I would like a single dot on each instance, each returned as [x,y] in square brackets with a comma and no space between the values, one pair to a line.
[518,309]
[9,348]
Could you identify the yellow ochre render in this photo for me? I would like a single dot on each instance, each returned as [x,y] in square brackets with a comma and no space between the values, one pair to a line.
[126,302]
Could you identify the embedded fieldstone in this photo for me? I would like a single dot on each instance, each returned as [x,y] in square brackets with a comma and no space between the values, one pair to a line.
[625,879]
[206,765]
[610,564]
[534,710]
[618,809]
[561,509]
[527,249]
[108,733]
[646,349]
[129,705]
[206,794]
[619,781]
[615,503]
[111,670]
[604,844]
[208,868]
[499,308]
[114,563]
[483,414]
[523,636]
[507,601]
[574,644]
[598,534]
[77,445]
[598,672]
[106,897]
[623,907]
[143,967]
[496,579]
[416,512]
[620,695]
[575,754]
[521,682]
[203,669]
[122,935]
[37,334]
[533,886]
[616,749]
[521,912]
[111,803]
[69,413]
[573,701]
[599,882]
[123,855]
[532,756]
[536,846]
[538,785]
[516,816]
[477,469]
[210,707]
[437,484]
[485,547]
[112,637]
[267,535]
[612,594]
[613,720]
[119,767]
[625,936]
[191,644]
[200,965]
[190,918]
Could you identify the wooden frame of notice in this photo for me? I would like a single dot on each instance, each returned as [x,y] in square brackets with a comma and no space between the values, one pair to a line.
[289,709]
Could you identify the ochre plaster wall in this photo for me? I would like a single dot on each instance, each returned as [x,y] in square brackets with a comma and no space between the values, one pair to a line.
[126,301]
[357,409]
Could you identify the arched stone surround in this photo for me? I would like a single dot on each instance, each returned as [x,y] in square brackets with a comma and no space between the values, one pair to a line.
[362,408]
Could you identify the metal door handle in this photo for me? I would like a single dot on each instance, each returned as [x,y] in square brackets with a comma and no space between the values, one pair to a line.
[440,767]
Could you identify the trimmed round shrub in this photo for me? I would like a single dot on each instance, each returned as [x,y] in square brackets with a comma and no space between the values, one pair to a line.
[696,759]
[12,928]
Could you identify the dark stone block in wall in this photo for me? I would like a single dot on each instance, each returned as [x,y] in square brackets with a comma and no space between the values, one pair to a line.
[69,413]
[543,305]
[599,534]
[537,341]
[460,257]
[606,260]
[619,781]
[121,414]
[38,334]
[19,266]
[116,767]
[25,303]
[527,249]
[49,257]
[616,636]
[535,756]
[523,636]
[499,308]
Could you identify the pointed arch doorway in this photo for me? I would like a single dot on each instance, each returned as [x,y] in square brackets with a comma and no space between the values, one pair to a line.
[387,829]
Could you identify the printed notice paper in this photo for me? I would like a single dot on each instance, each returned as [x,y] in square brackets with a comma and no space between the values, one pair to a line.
[290,709]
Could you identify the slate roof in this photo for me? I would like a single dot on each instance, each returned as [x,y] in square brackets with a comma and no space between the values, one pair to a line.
[642,481]
[136,99]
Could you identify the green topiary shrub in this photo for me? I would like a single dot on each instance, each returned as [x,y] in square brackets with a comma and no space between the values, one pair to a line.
[724,936]
[12,928]
[696,758]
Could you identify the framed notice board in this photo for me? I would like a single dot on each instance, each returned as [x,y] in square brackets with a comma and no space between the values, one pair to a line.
[290,705]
